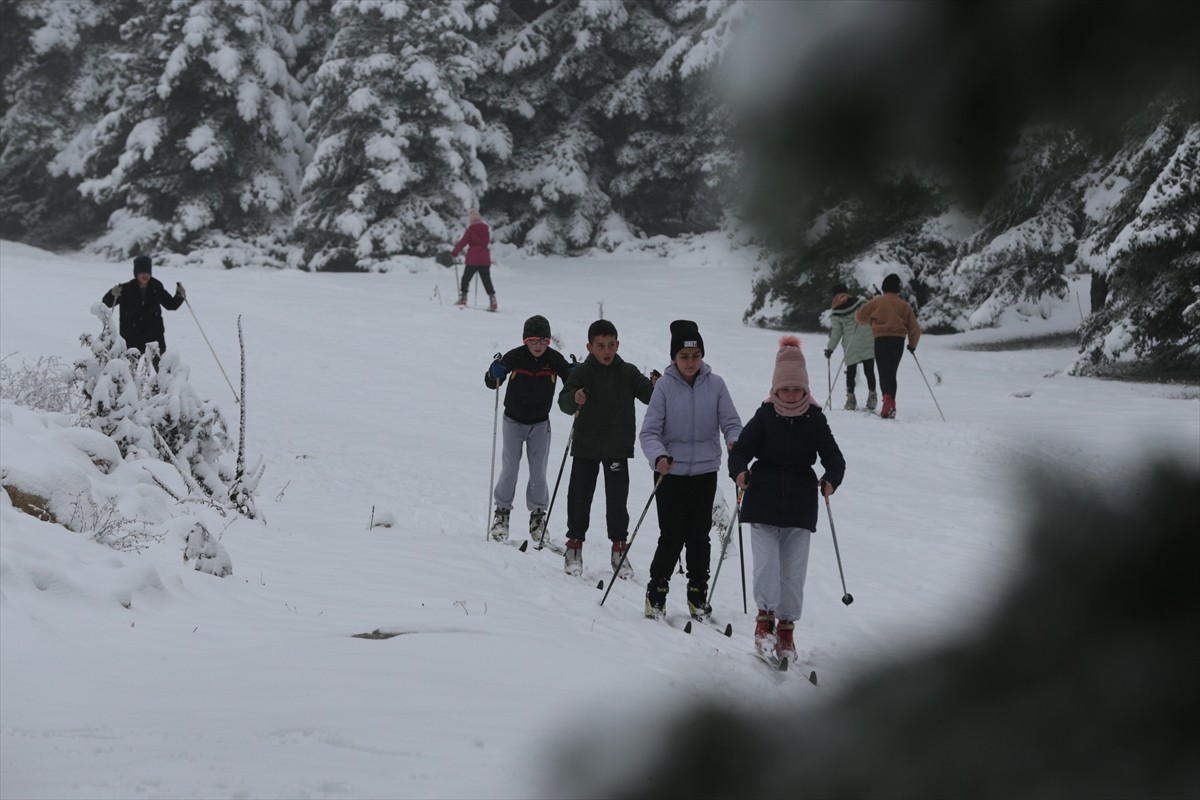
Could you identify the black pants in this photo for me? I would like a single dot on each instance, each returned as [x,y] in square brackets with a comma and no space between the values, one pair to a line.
[868,372]
[888,352]
[485,275]
[684,519]
[616,496]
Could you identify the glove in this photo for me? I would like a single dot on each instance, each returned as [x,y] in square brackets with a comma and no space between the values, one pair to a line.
[180,292]
[498,371]
[116,291]
[828,353]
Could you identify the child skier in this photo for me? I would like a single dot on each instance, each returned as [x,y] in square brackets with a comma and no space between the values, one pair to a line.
[772,462]
[680,437]
[890,318]
[602,390]
[857,344]
[535,367]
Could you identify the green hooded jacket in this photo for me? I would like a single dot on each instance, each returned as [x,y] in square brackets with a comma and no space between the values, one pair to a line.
[605,427]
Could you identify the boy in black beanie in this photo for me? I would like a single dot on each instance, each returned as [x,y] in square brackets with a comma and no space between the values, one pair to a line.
[142,301]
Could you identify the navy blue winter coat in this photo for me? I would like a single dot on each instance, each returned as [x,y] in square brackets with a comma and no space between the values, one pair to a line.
[780,453]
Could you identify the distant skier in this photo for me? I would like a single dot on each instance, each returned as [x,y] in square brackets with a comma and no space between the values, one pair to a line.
[689,412]
[476,239]
[773,461]
[141,301]
[891,318]
[857,344]
[535,368]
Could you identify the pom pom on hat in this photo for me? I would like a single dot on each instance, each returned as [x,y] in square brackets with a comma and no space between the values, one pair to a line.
[684,333]
[790,366]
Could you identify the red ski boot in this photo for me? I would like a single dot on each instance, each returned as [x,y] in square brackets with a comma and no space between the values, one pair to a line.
[764,631]
[888,410]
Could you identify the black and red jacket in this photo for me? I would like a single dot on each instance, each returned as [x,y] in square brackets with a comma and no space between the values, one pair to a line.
[531,383]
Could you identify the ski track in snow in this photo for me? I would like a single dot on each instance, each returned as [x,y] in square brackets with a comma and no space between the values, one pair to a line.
[364,393]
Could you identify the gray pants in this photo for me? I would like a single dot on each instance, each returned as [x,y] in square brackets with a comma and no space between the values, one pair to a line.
[780,567]
[536,440]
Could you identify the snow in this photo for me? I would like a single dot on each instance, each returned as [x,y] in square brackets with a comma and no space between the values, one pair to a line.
[128,674]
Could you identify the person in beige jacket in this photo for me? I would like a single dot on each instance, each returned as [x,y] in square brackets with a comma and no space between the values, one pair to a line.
[891,319]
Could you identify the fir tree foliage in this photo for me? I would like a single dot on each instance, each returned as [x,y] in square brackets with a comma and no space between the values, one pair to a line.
[207,138]
[397,146]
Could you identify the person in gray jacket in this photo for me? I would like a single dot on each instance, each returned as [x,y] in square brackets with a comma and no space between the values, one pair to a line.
[690,410]
[858,344]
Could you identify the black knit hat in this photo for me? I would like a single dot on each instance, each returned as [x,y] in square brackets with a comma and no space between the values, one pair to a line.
[684,333]
[892,283]
[141,264]
[537,325]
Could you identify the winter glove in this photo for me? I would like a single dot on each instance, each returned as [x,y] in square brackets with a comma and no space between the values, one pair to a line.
[825,487]
[498,371]
[828,354]
[116,291]
[654,376]
[180,292]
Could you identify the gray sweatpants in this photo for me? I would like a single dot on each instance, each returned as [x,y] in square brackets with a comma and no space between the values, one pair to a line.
[780,567]
[536,440]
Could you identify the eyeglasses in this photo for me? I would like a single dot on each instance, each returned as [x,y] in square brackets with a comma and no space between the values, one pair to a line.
[542,340]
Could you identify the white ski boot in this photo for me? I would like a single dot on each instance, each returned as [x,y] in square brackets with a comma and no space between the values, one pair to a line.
[537,525]
[500,524]
[573,558]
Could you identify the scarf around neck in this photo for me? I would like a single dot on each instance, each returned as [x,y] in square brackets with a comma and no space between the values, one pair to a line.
[791,409]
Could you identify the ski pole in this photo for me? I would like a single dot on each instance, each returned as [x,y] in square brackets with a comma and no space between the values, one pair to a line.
[927,386]
[542,542]
[632,536]
[737,510]
[829,381]
[742,556]
[487,528]
[829,400]
[847,598]
[236,399]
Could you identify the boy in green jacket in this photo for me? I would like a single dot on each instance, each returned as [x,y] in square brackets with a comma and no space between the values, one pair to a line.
[600,392]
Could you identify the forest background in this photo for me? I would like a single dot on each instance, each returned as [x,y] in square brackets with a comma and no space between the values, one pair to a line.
[988,154]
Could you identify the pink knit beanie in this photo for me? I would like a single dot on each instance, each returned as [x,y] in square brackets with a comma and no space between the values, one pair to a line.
[790,369]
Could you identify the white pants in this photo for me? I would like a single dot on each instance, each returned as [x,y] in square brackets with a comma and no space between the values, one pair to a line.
[780,567]
[536,441]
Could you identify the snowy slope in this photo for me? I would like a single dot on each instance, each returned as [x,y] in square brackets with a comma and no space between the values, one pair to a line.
[366,397]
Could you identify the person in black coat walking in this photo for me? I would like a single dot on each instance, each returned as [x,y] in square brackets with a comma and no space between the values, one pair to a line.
[141,301]
[783,440]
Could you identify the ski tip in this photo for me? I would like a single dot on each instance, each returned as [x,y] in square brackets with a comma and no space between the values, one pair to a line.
[687,628]
[783,665]
[812,678]
[600,585]
[729,629]
[524,546]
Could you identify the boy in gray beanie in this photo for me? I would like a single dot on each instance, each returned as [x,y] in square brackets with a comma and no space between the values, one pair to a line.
[535,368]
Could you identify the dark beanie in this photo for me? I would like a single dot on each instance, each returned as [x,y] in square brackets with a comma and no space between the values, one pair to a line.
[684,333]
[537,325]
[892,283]
[141,264]
[840,288]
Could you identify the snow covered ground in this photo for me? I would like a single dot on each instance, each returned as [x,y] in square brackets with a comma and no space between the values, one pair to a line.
[126,675]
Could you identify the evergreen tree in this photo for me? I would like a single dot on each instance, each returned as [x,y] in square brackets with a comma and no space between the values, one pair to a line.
[609,108]
[1145,238]
[1024,248]
[56,74]
[206,140]
[397,159]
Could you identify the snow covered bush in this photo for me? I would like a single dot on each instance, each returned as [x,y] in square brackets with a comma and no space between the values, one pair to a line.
[154,412]
[45,385]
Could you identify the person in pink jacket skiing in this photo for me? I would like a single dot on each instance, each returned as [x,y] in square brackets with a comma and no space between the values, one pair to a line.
[479,259]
